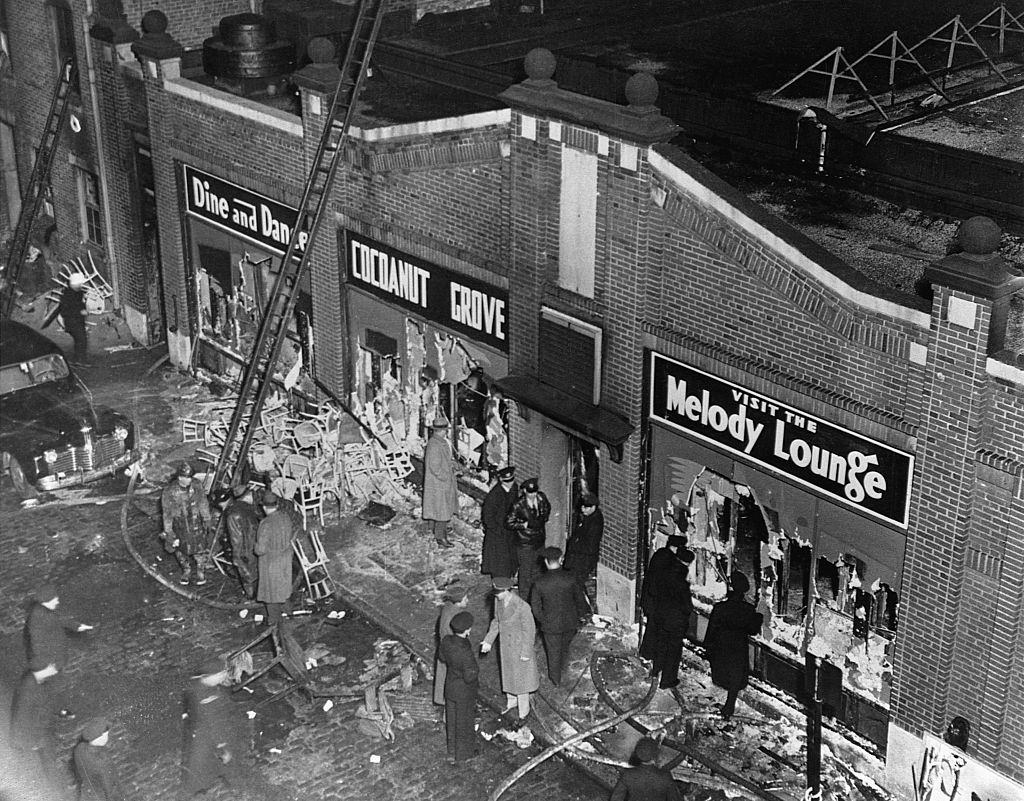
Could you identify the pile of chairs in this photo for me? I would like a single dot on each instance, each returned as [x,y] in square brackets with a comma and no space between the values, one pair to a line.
[307,458]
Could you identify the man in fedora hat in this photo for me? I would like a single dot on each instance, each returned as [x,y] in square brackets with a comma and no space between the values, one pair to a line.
[513,622]
[668,604]
[186,516]
[273,551]
[440,491]
[214,744]
[97,780]
[498,557]
[460,688]
[726,641]
[528,518]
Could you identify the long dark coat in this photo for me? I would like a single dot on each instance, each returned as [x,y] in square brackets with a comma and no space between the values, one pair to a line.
[242,525]
[440,491]
[669,604]
[499,549]
[646,783]
[274,552]
[460,690]
[584,544]
[211,718]
[557,602]
[662,559]
[726,642]
[96,778]
[45,634]
[513,620]
[34,718]
[444,628]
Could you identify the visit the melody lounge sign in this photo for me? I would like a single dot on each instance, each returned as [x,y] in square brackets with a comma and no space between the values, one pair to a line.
[855,470]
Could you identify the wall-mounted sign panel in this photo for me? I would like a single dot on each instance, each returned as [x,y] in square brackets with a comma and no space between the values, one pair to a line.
[859,472]
[463,304]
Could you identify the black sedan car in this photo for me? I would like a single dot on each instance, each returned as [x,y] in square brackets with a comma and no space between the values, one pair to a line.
[48,424]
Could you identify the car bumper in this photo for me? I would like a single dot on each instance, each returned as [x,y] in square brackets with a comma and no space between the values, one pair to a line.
[76,478]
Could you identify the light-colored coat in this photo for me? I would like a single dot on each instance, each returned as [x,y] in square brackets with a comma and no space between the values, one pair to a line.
[274,558]
[440,493]
[513,621]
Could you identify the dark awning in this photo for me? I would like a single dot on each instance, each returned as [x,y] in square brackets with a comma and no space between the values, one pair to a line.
[594,421]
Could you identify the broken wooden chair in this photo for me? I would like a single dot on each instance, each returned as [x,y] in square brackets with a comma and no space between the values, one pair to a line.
[319,583]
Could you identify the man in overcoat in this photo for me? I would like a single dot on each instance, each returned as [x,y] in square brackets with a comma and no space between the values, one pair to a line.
[97,780]
[499,548]
[456,600]
[186,516]
[215,736]
[669,605]
[460,688]
[242,523]
[440,491]
[34,710]
[274,558]
[528,520]
[513,621]
[583,547]
[645,781]
[558,605]
[726,641]
[46,628]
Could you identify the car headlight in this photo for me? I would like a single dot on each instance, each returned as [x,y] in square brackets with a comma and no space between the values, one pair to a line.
[50,456]
[120,433]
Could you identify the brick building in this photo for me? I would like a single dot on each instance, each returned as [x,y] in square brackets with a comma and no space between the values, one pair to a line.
[578,297]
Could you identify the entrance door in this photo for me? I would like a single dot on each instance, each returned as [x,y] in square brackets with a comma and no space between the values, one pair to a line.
[554,482]
[9,177]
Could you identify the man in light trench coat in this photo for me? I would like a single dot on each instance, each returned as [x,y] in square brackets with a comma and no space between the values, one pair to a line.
[513,621]
[440,491]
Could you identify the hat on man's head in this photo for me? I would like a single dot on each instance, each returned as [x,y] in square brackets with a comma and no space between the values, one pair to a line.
[455,592]
[463,621]
[223,495]
[95,728]
[507,473]
[531,485]
[46,592]
[76,280]
[184,470]
[739,582]
[551,554]
[676,541]
[439,423]
[686,556]
[646,750]
[209,667]
[588,499]
[270,498]
[239,490]
[501,583]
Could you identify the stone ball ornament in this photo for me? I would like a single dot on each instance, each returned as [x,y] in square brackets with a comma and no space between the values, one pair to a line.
[154,21]
[978,236]
[539,64]
[641,89]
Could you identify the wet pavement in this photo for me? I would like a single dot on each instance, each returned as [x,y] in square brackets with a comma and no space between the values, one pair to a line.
[390,580]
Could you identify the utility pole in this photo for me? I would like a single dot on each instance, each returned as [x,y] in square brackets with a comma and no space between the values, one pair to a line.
[813,702]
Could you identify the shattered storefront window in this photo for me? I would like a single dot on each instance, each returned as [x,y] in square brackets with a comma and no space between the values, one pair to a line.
[431,376]
[825,579]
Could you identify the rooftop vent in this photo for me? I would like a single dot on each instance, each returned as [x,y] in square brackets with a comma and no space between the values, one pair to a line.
[246,58]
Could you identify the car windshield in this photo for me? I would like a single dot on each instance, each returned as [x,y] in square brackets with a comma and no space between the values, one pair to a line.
[41,370]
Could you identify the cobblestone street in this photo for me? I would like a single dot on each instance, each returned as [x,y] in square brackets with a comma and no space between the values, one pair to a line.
[134,666]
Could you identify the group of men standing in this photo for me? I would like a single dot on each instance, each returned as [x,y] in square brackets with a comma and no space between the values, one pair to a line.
[261,546]
[39,700]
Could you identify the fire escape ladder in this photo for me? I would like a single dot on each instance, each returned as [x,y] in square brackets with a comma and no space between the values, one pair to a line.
[39,179]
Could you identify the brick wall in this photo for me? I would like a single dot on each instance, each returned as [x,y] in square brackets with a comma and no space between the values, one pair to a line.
[188,21]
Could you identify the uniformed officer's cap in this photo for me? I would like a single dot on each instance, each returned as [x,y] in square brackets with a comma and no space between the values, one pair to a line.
[501,583]
[507,473]
[531,485]
[185,470]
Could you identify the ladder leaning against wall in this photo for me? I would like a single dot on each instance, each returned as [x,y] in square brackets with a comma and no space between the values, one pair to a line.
[258,375]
